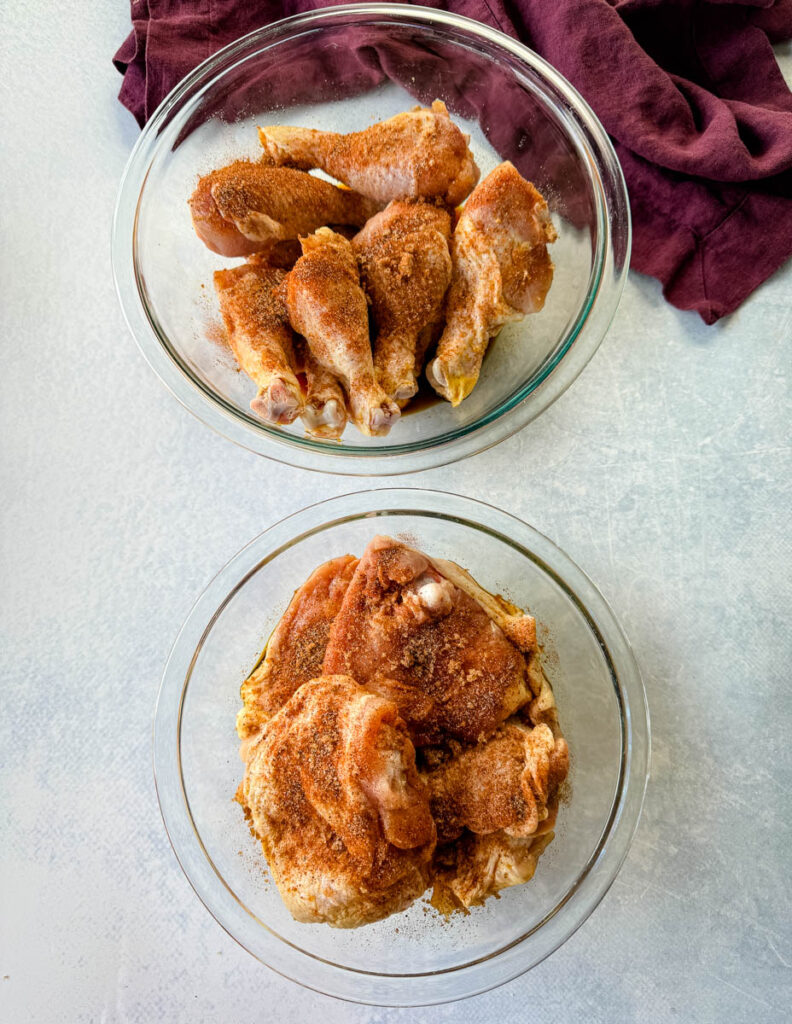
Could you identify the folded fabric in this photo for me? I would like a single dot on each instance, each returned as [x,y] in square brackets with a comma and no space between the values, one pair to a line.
[689,91]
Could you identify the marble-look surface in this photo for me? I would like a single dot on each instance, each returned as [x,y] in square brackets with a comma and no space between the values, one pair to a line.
[664,472]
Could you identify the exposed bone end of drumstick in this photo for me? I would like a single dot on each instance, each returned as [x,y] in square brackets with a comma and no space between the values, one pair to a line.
[403,392]
[325,419]
[455,389]
[381,418]
[277,403]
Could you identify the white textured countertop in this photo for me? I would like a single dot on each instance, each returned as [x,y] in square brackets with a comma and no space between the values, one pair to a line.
[664,472]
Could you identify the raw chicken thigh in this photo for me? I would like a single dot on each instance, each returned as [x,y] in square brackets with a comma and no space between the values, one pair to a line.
[295,651]
[509,782]
[343,816]
[409,633]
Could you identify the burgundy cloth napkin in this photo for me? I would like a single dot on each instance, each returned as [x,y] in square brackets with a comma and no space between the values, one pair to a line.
[688,90]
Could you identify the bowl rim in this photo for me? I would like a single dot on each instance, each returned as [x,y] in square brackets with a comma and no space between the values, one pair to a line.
[584,893]
[576,345]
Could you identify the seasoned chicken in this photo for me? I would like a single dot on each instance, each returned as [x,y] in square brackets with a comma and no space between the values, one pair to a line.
[405,267]
[333,793]
[417,154]
[282,255]
[518,626]
[509,782]
[352,827]
[258,331]
[467,872]
[325,413]
[247,207]
[501,271]
[408,632]
[295,651]
[495,804]
[328,307]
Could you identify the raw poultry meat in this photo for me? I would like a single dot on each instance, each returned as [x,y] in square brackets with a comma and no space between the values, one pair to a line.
[328,307]
[405,267]
[408,632]
[247,207]
[260,337]
[509,782]
[467,872]
[501,271]
[333,793]
[295,651]
[355,825]
[417,154]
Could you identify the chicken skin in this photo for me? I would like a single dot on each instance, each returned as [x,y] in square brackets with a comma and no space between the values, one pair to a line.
[328,307]
[248,207]
[407,632]
[295,651]
[510,782]
[417,154]
[501,271]
[495,804]
[333,793]
[260,336]
[405,267]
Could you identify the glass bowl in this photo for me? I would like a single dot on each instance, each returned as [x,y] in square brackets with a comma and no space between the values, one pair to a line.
[342,69]
[416,957]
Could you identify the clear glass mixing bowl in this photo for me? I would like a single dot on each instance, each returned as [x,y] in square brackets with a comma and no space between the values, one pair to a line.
[342,69]
[416,957]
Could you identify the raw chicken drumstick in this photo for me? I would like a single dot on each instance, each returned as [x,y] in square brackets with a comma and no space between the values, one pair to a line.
[501,271]
[247,207]
[260,337]
[417,154]
[328,307]
[406,268]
